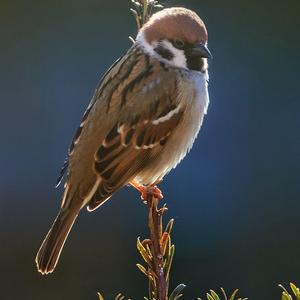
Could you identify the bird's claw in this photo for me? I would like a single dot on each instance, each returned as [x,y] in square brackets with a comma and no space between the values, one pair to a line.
[147,191]
[150,191]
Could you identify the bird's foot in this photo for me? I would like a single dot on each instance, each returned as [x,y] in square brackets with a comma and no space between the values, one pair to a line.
[152,191]
[147,191]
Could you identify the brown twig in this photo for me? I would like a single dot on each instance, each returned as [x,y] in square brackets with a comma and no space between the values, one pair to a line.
[156,236]
[157,251]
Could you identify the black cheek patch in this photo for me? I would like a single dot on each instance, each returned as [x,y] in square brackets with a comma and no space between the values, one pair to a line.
[164,53]
[195,63]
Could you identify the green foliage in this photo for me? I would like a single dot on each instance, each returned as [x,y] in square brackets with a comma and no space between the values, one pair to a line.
[143,10]
[118,297]
[176,294]
[287,296]
[212,295]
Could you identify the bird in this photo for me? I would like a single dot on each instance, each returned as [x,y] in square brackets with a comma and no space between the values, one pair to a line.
[143,119]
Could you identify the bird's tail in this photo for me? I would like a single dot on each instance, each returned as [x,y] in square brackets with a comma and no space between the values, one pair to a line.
[49,252]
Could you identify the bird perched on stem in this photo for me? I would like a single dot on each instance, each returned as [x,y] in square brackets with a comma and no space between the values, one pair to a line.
[142,120]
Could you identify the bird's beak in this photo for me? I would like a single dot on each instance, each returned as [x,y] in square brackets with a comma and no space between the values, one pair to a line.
[201,50]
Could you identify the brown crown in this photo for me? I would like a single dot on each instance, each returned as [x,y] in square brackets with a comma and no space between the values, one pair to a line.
[175,23]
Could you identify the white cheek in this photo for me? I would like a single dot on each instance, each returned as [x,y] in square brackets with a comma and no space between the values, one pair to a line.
[179,59]
[140,39]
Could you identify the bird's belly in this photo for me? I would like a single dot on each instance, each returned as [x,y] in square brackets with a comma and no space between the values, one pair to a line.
[183,137]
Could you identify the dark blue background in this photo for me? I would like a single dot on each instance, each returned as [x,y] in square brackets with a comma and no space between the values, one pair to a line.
[235,198]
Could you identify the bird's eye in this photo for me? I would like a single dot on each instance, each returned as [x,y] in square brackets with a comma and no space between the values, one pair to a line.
[179,44]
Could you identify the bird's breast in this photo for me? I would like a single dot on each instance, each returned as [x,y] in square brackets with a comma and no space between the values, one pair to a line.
[193,95]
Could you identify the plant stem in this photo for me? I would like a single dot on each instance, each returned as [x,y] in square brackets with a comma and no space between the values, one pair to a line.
[156,232]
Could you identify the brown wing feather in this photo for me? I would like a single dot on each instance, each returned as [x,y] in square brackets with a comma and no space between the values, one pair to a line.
[127,149]
[125,127]
[118,69]
[129,120]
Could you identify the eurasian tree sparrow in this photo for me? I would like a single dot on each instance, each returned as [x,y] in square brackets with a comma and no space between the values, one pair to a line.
[142,120]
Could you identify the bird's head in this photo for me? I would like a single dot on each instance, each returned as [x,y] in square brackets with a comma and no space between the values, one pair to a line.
[178,37]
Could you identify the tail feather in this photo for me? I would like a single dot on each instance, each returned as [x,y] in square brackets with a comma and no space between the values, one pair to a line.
[49,252]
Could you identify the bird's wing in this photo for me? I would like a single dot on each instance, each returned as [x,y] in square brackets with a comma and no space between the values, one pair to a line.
[134,111]
[108,74]
[148,110]
[130,146]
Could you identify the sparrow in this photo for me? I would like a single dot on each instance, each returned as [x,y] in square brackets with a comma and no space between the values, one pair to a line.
[141,122]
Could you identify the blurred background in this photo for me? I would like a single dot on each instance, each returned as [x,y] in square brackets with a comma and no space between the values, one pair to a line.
[235,198]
